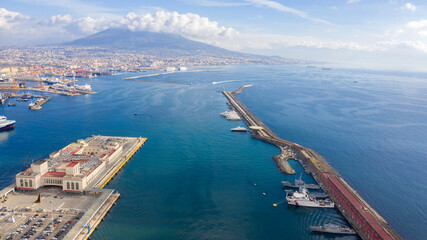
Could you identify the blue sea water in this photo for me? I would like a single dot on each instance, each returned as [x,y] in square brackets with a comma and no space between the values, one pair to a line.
[194,179]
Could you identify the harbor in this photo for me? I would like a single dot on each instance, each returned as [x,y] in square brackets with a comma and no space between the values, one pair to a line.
[63,196]
[363,218]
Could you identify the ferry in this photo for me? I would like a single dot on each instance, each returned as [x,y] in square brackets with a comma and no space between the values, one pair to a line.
[333,228]
[239,129]
[301,198]
[5,124]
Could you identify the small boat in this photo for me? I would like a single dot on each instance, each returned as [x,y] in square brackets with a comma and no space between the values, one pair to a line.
[239,129]
[333,228]
[11,104]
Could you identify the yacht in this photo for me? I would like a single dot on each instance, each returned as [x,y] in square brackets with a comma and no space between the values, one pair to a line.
[239,129]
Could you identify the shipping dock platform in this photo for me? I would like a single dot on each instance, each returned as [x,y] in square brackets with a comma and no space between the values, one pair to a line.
[364,219]
[63,196]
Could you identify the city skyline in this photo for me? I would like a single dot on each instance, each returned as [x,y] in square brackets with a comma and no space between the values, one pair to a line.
[377,33]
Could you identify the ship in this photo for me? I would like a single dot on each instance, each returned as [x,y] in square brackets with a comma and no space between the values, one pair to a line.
[224,114]
[301,198]
[300,183]
[6,124]
[239,129]
[332,228]
[31,105]
[232,115]
[85,87]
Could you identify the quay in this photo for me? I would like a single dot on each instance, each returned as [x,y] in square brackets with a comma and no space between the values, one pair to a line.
[364,219]
[38,104]
[63,196]
[55,91]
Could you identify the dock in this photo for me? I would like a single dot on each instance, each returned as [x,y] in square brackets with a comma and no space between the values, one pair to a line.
[69,188]
[364,219]
[96,213]
[38,105]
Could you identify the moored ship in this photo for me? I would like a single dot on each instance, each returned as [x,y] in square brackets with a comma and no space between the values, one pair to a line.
[333,228]
[300,183]
[6,124]
[301,198]
[239,129]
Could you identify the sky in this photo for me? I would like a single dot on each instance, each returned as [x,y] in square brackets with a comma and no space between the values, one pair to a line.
[387,34]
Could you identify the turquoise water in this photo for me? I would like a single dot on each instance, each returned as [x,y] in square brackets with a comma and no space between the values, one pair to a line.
[194,179]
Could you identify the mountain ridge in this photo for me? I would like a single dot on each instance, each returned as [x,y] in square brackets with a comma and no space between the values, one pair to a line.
[126,39]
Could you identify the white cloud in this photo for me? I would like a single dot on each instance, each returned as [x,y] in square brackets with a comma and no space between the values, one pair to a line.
[417,24]
[423,33]
[280,7]
[65,27]
[188,25]
[410,6]
[353,1]
[9,19]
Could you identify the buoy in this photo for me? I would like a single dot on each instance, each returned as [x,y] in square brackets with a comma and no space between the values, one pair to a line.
[274,204]
[263,193]
[254,184]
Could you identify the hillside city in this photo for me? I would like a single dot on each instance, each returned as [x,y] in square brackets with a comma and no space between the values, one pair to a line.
[31,61]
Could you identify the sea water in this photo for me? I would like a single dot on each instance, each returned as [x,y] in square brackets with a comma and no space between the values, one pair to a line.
[195,179]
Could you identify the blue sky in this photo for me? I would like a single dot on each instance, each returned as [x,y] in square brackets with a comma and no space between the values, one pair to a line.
[349,31]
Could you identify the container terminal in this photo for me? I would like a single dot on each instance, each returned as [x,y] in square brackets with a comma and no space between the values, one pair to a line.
[63,196]
[364,219]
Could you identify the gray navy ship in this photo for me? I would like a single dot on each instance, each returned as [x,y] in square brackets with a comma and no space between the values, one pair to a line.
[300,183]
[333,228]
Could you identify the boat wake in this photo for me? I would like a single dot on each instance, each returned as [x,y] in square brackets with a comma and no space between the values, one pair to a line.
[214,83]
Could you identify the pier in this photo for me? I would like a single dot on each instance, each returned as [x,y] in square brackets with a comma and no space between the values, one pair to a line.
[364,219]
[38,104]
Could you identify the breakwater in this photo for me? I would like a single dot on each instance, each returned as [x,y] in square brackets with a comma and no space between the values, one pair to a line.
[364,219]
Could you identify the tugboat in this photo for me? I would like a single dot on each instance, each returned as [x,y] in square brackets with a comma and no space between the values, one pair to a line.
[6,124]
[301,198]
[332,228]
[300,183]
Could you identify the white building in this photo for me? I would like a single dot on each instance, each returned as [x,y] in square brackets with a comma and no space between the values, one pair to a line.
[74,167]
